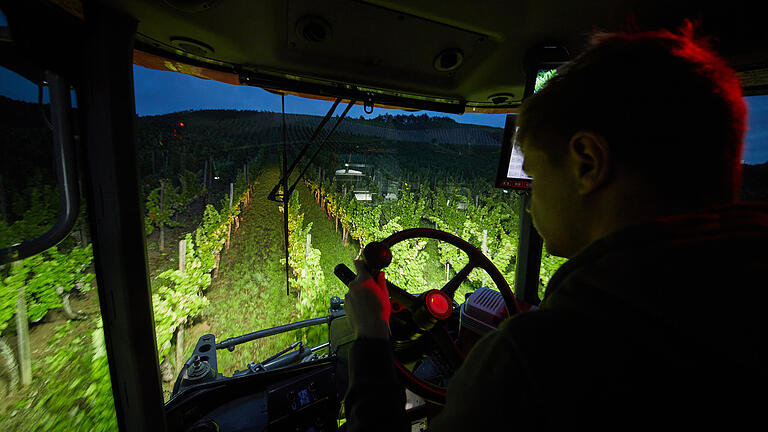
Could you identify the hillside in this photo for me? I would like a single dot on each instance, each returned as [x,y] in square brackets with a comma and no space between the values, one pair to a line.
[423,130]
[396,147]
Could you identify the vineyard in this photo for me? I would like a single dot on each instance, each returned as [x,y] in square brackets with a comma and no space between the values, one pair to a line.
[215,245]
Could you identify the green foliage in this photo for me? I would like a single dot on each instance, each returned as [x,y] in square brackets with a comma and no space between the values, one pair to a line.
[45,277]
[181,296]
[240,184]
[41,287]
[7,302]
[365,222]
[148,227]
[102,406]
[542,77]
[10,287]
[166,320]
[409,259]
[471,210]
[166,200]
[549,265]
[191,187]
[173,307]
[159,205]
[175,304]
[209,237]
[308,279]
[79,404]
[39,212]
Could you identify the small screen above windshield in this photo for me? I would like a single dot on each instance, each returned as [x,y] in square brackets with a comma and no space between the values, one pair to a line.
[515,168]
[510,174]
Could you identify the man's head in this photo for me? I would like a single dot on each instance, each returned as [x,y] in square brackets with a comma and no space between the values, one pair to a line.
[639,126]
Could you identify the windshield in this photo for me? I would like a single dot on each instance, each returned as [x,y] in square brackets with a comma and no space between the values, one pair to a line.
[380,172]
[207,174]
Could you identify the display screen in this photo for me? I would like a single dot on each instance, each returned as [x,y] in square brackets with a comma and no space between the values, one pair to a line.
[510,174]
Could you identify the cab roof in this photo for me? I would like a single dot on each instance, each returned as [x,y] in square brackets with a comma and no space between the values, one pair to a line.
[444,55]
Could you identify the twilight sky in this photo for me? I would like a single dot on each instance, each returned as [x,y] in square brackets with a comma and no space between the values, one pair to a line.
[162,92]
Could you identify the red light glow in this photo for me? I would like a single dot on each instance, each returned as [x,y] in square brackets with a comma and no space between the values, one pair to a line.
[438,304]
[181,124]
[396,307]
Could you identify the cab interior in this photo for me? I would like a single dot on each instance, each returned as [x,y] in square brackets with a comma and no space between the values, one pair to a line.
[429,56]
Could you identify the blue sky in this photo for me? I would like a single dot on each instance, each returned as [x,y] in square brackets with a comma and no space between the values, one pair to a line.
[756,146]
[161,92]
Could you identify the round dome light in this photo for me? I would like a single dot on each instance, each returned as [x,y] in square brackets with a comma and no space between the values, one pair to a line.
[449,60]
[313,29]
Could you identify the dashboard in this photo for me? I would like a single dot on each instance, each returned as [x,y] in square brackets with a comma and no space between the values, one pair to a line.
[297,391]
[301,398]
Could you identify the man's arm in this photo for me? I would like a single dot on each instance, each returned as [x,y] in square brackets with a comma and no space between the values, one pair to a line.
[376,398]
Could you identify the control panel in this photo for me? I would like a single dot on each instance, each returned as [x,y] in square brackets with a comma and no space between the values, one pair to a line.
[304,403]
[304,399]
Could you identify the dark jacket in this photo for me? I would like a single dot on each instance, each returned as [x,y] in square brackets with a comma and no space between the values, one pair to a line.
[661,326]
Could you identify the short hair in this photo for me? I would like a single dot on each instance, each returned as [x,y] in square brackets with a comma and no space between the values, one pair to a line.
[669,107]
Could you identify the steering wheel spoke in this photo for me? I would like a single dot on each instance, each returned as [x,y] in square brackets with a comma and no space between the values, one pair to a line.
[406,299]
[452,285]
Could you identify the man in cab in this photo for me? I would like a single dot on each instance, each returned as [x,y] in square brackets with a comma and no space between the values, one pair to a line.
[657,321]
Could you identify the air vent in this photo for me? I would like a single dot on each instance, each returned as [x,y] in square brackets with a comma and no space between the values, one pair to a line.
[313,29]
[449,60]
[192,46]
[501,98]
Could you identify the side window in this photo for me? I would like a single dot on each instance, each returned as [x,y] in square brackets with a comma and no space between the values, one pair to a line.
[755,183]
[53,366]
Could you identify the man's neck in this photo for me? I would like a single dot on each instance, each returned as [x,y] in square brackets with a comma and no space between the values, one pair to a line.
[620,209]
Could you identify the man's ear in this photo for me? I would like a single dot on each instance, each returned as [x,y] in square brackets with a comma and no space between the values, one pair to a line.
[591,162]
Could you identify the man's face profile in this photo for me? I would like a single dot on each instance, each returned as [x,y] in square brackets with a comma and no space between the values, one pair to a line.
[552,200]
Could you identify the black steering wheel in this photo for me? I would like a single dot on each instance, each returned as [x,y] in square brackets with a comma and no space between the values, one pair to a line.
[432,325]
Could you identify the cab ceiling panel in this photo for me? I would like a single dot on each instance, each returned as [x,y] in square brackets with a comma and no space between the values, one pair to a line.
[229,31]
[338,40]
[460,51]
[457,50]
[364,42]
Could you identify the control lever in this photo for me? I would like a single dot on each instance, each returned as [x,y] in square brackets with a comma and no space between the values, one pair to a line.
[376,256]
[345,275]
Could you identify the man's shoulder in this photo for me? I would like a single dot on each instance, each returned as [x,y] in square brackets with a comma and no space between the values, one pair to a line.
[539,340]
[530,362]
[543,324]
